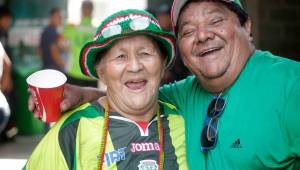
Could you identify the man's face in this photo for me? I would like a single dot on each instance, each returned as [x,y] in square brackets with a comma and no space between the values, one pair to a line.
[212,41]
[5,22]
[57,19]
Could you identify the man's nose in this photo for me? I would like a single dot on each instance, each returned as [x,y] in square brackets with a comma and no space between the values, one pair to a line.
[204,34]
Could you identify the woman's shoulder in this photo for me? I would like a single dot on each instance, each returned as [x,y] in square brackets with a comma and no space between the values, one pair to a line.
[168,108]
[87,110]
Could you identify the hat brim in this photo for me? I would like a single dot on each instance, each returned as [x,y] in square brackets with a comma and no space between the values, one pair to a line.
[90,50]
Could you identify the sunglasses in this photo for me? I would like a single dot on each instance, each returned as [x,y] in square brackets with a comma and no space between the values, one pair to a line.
[210,130]
[139,23]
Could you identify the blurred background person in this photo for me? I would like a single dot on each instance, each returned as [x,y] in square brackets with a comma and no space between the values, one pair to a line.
[9,131]
[50,48]
[5,66]
[162,12]
[5,22]
[77,36]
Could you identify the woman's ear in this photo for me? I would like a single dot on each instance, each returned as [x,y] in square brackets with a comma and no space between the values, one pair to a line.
[100,71]
[164,65]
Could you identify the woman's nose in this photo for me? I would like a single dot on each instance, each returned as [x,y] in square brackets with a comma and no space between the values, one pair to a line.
[134,64]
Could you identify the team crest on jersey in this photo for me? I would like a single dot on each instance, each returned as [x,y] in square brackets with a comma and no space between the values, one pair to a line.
[148,165]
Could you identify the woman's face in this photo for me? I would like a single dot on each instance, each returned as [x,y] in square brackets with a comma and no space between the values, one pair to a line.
[132,70]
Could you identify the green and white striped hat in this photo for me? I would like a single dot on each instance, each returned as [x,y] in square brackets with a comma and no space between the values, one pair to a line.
[120,25]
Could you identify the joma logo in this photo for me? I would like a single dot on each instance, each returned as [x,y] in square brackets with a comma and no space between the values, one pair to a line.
[143,147]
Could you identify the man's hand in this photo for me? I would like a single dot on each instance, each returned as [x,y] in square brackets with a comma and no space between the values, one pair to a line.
[73,97]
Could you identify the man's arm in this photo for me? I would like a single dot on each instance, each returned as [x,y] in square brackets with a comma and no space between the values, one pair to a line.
[291,118]
[55,54]
[177,93]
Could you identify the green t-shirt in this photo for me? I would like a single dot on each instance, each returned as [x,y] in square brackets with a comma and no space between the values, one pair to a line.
[77,37]
[260,126]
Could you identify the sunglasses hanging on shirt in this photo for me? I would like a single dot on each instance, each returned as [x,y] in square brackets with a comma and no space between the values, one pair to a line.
[210,130]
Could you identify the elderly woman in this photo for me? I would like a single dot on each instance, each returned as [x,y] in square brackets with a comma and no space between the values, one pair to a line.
[129,128]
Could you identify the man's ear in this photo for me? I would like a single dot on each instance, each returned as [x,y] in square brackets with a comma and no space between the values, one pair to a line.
[248,28]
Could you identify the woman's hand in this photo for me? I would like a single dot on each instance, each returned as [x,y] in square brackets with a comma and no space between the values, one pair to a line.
[73,97]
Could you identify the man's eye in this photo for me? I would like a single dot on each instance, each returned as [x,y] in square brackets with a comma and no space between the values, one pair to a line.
[187,33]
[216,21]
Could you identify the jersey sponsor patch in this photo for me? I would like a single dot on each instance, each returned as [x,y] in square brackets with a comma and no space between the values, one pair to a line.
[144,147]
[148,165]
[115,156]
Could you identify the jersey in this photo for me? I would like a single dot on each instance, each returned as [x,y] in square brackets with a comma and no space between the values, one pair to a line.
[259,128]
[74,142]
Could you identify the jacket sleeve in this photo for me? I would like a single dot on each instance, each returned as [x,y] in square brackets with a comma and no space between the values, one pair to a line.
[48,155]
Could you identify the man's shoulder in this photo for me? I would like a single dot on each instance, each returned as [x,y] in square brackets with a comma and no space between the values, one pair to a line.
[275,60]
[268,70]
[182,84]
[49,29]
[49,34]
[69,27]
[179,92]
[269,62]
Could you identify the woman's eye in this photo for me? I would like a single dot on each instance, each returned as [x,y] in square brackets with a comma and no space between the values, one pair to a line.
[145,53]
[120,57]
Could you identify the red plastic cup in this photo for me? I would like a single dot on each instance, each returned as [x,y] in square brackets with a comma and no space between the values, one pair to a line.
[47,87]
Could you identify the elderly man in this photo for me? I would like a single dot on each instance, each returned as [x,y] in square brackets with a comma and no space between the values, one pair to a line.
[257,92]
[241,107]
